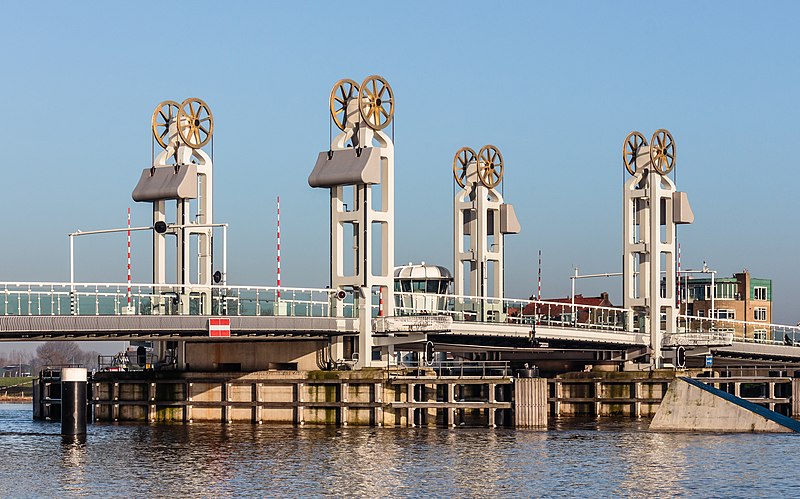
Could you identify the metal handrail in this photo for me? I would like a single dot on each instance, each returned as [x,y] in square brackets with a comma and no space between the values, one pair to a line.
[459,366]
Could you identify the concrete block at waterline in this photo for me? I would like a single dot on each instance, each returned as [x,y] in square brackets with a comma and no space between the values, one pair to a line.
[133,391]
[686,407]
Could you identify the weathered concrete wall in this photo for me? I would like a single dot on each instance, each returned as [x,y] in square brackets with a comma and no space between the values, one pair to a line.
[365,397]
[530,402]
[251,355]
[689,408]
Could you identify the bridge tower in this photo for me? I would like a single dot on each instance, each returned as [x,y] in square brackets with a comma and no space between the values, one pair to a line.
[358,168]
[481,219]
[182,172]
[652,209]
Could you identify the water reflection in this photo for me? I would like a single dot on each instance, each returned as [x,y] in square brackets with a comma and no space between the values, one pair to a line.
[574,458]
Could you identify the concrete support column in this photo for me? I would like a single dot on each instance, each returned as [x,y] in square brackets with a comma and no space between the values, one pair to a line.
[559,394]
[151,407]
[598,391]
[226,398]
[187,416]
[377,397]
[343,415]
[257,413]
[337,348]
[451,398]
[115,398]
[181,356]
[299,397]
[737,389]
[636,395]
[410,398]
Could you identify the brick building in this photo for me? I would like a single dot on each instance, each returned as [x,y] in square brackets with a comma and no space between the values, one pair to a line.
[739,298]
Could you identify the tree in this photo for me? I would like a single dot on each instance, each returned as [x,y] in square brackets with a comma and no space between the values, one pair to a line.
[59,353]
[62,353]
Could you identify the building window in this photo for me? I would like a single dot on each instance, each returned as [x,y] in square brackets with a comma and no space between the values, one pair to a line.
[700,313]
[724,313]
[760,293]
[760,313]
[760,335]
[726,290]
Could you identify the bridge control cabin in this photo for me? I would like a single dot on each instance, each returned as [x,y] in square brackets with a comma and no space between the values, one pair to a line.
[421,289]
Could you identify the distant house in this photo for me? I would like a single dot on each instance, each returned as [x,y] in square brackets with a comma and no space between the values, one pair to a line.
[16,370]
[737,298]
[561,309]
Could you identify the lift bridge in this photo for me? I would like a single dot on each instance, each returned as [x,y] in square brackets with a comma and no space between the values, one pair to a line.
[362,306]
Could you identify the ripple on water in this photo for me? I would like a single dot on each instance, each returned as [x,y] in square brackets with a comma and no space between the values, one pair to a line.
[574,458]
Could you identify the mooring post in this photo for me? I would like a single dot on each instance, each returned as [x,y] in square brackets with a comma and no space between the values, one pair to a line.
[73,401]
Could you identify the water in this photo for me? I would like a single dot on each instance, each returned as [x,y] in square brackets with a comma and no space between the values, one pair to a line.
[584,458]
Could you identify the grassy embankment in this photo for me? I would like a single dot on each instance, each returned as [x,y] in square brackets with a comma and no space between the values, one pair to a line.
[16,389]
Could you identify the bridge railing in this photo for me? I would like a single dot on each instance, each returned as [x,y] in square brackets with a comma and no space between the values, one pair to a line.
[456,368]
[512,311]
[741,331]
[59,298]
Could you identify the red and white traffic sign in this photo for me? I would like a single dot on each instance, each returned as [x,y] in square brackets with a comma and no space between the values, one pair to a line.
[219,326]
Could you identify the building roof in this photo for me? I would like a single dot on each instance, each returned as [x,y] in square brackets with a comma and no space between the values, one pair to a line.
[422,271]
[580,300]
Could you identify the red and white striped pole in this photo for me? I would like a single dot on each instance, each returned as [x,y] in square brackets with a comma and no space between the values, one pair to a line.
[129,257]
[279,247]
[539,288]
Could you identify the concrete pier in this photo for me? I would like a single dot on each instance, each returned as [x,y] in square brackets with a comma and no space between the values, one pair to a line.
[370,397]
[692,405]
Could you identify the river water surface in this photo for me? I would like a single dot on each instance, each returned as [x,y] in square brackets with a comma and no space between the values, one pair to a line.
[584,458]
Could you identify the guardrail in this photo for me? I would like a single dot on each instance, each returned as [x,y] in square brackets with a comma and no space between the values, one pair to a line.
[741,331]
[711,338]
[458,368]
[59,298]
[513,311]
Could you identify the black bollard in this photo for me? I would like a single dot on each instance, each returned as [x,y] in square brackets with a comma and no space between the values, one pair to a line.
[73,401]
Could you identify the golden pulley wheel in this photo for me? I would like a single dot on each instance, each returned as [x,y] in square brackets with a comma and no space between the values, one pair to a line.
[342,93]
[490,166]
[195,123]
[662,151]
[164,114]
[630,150]
[376,102]
[461,161]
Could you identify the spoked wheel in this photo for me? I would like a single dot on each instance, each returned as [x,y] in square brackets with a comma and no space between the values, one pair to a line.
[461,162]
[163,116]
[376,102]
[342,94]
[195,123]
[490,166]
[662,151]
[630,150]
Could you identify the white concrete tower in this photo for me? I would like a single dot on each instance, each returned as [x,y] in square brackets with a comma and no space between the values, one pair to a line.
[651,210]
[181,172]
[481,220]
[359,171]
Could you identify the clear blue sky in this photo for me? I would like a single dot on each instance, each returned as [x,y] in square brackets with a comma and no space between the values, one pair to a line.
[556,86]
